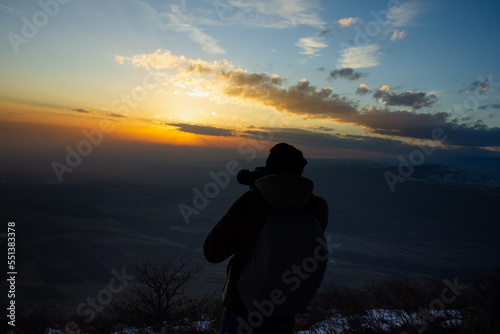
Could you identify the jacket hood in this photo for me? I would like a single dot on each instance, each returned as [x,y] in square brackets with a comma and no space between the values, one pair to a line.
[285,191]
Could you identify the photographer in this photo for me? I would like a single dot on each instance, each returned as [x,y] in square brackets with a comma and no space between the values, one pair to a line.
[278,186]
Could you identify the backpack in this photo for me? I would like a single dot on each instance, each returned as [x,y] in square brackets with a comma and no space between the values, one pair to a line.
[287,265]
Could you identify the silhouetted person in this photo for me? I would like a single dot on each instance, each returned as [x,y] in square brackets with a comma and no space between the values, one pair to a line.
[277,187]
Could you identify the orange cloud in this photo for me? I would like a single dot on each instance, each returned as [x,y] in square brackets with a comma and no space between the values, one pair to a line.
[308,101]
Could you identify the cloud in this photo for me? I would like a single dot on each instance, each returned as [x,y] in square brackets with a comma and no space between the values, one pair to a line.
[359,56]
[163,59]
[83,111]
[422,126]
[398,35]
[311,45]
[323,31]
[240,78]
[400,123]
[117,115]
[415,100]
[385,89]
[404,14]
[348,21]
[344,144]
[480,86]
[321,128]
[346,73]
[120,59]
[159,59]
[479,136]
[342,23]
[301,100]
[310,102]
[371,146]
[271,14]
[181,23]
[202,130]
[277,14]
[363,89]
[489,106]
[174,18]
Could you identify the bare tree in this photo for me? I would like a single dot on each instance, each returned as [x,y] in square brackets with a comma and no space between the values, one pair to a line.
[160,294]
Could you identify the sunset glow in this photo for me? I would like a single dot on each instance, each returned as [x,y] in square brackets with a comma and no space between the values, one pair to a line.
[343,79]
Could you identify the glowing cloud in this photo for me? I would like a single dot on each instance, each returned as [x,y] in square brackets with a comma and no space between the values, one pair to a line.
[311,45]
[310,102]
[397,35]
[348,21]
[362,89]
[359,56]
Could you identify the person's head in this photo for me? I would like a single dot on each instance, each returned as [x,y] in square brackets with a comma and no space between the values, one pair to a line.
[284,158]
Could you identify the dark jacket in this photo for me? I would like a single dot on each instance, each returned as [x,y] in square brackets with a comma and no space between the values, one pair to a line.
[236,233]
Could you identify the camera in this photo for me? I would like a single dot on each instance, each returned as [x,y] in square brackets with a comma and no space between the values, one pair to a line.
[248,177]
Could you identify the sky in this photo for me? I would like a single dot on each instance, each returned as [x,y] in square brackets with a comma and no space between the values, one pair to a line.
[340,79]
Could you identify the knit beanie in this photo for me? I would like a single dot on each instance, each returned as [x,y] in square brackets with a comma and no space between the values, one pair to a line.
[284,158]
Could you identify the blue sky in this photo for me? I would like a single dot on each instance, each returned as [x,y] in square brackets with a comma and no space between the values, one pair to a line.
[371,77]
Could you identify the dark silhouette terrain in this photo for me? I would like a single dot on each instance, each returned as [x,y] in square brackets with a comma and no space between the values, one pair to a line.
[71,237]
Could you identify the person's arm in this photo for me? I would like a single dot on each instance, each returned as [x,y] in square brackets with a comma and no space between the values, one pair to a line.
[225,236]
